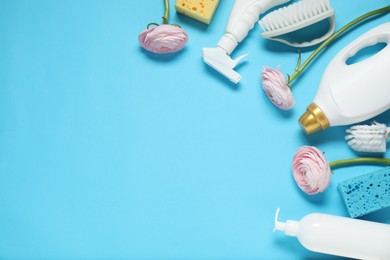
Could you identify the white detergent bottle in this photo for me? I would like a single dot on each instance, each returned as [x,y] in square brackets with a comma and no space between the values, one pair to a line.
[340,236]
[351,93]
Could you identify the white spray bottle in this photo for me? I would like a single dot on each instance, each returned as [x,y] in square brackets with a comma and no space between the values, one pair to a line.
[340,236]
[352,93]
[244,15]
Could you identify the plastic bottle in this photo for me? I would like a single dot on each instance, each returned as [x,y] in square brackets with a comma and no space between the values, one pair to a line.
[355,92]
[244,15]
[340,236]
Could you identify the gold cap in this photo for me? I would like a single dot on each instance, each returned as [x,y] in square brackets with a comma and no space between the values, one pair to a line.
[313,119]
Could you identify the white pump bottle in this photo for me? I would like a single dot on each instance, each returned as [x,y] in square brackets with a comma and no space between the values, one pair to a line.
[340,236]
[356,92]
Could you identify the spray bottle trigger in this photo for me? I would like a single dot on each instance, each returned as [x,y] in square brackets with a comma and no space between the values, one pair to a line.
[238,59]
[218,59]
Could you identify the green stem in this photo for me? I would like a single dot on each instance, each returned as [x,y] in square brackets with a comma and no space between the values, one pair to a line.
[359,160]
[334,36]
[166,12]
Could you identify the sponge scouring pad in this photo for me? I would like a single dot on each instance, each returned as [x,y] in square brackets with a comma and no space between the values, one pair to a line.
[366,193]
[201,10]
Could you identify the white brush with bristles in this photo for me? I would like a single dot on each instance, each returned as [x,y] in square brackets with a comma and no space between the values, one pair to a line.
[297,16]
[368,138]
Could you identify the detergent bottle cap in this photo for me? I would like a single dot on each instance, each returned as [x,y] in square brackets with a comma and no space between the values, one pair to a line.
[313,119]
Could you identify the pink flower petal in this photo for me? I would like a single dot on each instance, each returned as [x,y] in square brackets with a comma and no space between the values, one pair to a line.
[163,39]
[311,170]
[275,86]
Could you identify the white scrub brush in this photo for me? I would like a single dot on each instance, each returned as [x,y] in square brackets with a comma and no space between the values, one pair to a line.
[297,16]
[368,138]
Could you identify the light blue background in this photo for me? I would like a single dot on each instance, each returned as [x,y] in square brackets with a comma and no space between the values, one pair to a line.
[108,151]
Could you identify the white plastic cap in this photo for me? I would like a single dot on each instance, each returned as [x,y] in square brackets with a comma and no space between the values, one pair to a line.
[228,43]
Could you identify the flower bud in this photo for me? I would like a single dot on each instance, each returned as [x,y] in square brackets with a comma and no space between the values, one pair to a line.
[275,86]
[164,38]
[311,170]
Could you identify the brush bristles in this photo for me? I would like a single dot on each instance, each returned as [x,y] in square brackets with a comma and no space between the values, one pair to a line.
[293,14]
[368,138]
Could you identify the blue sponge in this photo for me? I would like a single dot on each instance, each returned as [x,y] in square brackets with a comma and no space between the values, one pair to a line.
[366,193]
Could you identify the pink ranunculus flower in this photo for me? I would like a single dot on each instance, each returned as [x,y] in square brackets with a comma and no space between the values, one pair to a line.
[275,86]
[311,170]
[164,38]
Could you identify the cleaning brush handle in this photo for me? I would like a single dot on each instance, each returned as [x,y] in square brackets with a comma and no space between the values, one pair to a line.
[379,11]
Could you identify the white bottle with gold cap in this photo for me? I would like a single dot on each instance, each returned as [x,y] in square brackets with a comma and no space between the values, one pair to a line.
[351,93]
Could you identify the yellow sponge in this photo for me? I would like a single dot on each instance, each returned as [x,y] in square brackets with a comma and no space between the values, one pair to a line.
[201,10]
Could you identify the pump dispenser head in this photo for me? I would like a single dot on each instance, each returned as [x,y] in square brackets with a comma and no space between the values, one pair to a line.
[290,227]
[313,119]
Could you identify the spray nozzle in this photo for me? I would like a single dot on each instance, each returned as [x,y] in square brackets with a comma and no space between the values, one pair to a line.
[218,59]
